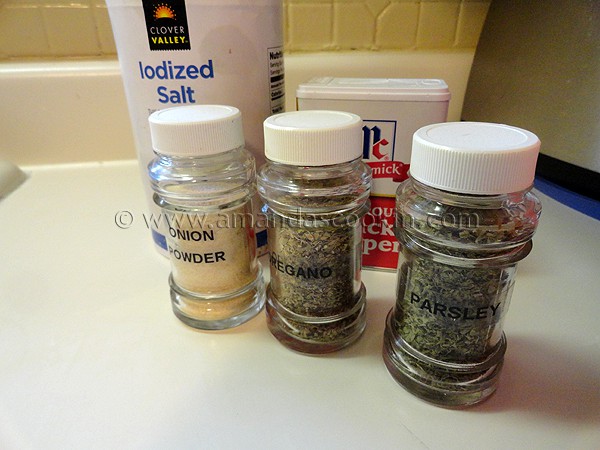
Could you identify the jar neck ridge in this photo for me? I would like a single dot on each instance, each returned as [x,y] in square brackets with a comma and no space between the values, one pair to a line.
[226,177]
[465,200]
[466,223]
[287,189]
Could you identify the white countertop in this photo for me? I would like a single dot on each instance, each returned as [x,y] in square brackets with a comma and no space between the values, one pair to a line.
[91,355]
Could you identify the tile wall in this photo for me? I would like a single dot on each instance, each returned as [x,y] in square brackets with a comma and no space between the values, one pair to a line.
[81,28]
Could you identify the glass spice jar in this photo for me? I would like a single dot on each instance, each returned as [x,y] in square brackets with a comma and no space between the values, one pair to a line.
[464,219]
[204,182]
[316,191]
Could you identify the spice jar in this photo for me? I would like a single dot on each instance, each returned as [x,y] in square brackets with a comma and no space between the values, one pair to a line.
[204,182]
[464,219]
[316,191]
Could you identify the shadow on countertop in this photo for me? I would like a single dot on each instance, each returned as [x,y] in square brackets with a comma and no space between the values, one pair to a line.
[544,380]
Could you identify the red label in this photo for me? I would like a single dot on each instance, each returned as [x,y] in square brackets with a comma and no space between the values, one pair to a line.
[380,246]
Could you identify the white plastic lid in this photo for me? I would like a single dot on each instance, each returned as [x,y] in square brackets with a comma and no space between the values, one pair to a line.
[474,157]
[313,138]
[196,130]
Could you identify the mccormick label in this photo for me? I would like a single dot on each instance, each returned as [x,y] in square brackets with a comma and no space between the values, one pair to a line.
[166,25]
[392,110]
[380,247]
[379,148]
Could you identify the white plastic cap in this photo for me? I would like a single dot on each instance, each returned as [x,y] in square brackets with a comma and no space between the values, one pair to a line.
[474,157]
[313,138]
[196,130]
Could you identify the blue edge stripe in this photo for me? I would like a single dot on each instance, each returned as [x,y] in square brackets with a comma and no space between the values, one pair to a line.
[578,202]
[159,239]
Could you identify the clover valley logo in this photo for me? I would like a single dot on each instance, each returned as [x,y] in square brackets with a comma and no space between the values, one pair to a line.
[166,24]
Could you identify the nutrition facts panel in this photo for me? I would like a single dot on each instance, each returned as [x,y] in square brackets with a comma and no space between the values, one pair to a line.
[276,80]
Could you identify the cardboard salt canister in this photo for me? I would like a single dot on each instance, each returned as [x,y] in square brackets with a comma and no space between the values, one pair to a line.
[392,110]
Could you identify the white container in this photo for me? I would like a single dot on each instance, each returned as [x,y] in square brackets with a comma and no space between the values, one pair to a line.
[392,110]
[177,53]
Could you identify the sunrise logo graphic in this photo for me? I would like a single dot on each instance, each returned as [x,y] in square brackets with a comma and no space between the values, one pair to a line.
[163,11]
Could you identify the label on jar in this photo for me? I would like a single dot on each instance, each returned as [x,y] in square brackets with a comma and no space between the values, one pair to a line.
[212,253]
[314,269]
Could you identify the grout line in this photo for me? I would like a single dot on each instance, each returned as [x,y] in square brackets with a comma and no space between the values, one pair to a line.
[417,28]
[457,26]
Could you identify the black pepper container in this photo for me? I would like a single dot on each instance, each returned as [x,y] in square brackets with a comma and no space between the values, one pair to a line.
[464,219]
[316,192]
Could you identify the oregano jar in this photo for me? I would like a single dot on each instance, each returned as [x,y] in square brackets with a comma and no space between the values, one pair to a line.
[464,219]
[316,191]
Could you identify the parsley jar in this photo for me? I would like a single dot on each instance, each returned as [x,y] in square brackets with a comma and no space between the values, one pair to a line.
[464,219]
